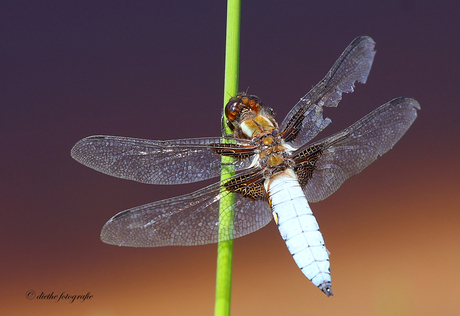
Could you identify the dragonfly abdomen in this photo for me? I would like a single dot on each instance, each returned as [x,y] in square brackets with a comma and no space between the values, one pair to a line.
[299,228]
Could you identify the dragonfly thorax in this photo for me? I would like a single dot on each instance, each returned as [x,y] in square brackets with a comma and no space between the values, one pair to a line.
[256,126]
[274,155]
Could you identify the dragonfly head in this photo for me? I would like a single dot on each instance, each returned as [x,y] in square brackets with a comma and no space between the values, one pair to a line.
[241,104]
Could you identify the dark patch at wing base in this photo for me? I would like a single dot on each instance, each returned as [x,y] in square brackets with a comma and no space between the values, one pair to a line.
[305,163]
[232,150]
[249,185]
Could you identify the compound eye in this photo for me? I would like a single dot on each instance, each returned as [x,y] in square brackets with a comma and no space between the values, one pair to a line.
[231,109]
[254,103]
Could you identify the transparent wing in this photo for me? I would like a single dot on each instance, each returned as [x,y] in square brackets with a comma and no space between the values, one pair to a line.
[307,115]
[155,161]
[353,149]
[187,220]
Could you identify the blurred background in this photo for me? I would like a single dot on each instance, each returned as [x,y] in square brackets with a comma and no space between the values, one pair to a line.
[154,69]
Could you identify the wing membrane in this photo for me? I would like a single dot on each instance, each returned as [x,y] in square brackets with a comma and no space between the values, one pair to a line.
[187,220]
[353,65]
[155,161]
[353,149]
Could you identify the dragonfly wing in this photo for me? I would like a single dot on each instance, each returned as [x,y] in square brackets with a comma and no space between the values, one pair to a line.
[155,161]
[350,151]
[307,115]
[187,220]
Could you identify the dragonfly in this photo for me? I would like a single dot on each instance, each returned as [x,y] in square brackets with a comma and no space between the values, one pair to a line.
[272,170]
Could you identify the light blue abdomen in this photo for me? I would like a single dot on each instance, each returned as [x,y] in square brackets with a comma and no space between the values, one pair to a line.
[299,229]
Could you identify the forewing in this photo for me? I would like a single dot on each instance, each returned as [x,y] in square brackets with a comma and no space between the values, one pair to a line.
[353,149]
[305,120]
[155,161]
[187,220]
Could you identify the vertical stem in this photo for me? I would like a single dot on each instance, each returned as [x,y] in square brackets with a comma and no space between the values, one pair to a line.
[225,248]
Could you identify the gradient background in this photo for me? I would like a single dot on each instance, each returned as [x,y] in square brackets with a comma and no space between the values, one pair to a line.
[152,69]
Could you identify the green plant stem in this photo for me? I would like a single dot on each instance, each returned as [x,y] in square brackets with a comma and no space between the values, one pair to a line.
[225,248]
